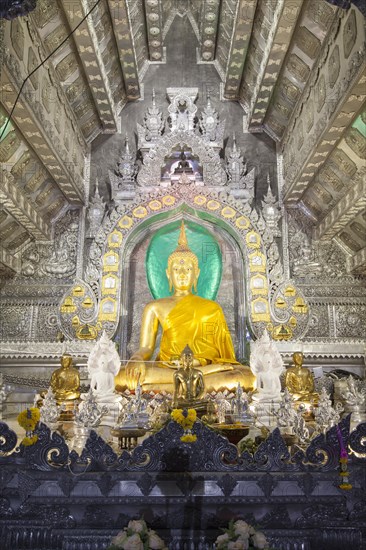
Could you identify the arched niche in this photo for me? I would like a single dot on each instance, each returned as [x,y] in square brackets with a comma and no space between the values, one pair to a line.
[123,233]
[135,291]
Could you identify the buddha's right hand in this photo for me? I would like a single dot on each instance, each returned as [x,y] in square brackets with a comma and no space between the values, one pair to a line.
[135,371]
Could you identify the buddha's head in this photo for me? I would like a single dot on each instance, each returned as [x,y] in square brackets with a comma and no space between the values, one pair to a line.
[66,361]
[187,357]
[182,270]
[298,358]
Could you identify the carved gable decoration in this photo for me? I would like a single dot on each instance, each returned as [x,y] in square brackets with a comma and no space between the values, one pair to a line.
[321,93]
[32,64]
[321,13]
[8,146]
[329,178]
[357,142]
[298,68]
[45,11]
[307,42]
[289,90]
[349,34]
[343,163]
[55,37]
[67,66]
[75,89]
[17,37]
[350,242]
[334,66]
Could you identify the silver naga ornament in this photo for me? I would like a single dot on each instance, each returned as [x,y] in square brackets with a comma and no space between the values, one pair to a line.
[89,414]
[325,415]
[241,183]
[209,123]
[153,122]
[126,166]
[123,178]
[271,211]
[95,214]
[50,411]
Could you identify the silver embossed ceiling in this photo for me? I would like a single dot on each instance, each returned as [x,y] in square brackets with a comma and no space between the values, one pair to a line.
[297,67]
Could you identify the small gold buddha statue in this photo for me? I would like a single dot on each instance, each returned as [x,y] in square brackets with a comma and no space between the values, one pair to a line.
[65,381]
[185,318]
[300,381]
[188,381]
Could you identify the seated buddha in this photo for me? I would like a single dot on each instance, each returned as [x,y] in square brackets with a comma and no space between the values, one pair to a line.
[300,381]
[188,381]
[65,381]
[186,319]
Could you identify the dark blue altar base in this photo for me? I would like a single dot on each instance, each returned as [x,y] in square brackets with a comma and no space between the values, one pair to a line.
[51,499]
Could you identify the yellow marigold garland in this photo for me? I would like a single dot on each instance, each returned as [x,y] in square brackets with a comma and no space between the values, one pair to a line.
[28,420]
[186,419]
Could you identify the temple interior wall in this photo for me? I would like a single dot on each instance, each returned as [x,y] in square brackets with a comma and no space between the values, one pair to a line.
[31,298]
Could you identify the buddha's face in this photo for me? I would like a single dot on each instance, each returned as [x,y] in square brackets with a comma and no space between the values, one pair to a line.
[66,361]
[182,273]
[298,358]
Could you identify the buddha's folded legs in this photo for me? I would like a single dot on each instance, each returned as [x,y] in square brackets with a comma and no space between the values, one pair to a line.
[160,378]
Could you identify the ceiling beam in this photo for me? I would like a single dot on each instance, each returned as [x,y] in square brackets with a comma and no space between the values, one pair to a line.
[13,199]
[95,69]
[241,23]
[154,29]
[358,263]
[267,18]
[41,136]
[346,209]
[126,47]
[9,261]
[209,28]
[272,62]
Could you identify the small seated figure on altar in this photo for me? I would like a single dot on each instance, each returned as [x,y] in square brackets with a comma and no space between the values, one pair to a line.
[266,363]
[300,381]
[183,165]
[103,365]
[185,318]
[188,381]
[65,381]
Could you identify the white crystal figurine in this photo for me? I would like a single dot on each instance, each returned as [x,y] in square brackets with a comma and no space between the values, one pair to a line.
[267,365]
[103,365]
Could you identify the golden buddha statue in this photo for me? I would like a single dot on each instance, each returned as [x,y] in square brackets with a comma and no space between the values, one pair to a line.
[65,381]
[185,318]
[300,381]
[188,381]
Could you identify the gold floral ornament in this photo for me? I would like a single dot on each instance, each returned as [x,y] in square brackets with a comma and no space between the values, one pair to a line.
[28,420]
[185,418]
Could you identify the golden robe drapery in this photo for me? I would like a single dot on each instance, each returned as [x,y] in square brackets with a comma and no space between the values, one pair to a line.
[201,324]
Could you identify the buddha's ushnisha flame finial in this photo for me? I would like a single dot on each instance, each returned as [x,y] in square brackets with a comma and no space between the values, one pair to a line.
[182,239]
[183,249]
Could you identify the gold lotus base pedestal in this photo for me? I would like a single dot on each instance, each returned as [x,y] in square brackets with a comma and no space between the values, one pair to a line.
[127,437]
[234,432]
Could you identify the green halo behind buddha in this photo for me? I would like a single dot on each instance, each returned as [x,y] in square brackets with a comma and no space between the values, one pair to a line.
[185,318]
